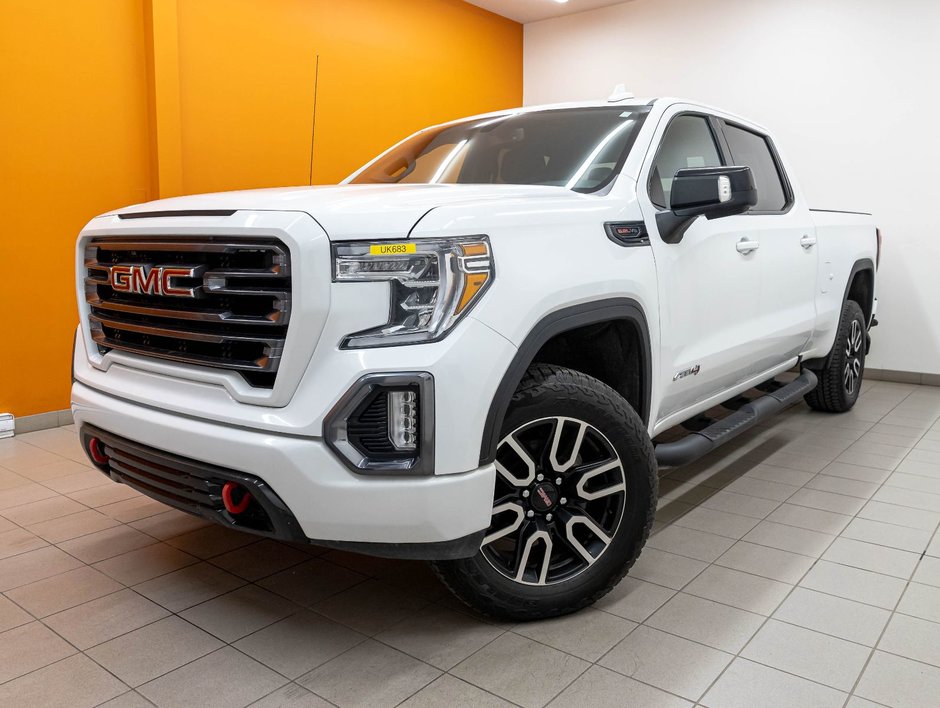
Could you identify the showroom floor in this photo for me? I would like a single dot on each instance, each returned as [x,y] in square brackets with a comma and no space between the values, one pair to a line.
[797,566]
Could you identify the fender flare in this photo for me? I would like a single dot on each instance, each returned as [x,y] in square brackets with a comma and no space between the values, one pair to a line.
[862,264]
[555,323]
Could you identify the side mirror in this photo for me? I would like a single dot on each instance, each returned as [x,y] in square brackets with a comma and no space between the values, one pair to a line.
[712,192]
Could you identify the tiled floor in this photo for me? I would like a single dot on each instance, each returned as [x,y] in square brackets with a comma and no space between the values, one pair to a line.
[799,566]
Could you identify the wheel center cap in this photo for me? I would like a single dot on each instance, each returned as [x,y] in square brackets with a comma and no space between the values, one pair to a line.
[544,496]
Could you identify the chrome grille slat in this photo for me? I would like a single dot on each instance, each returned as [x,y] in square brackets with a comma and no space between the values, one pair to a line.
[233,312]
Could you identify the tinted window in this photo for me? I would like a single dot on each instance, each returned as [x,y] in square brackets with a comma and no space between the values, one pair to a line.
[688,142]
[577,148]
[751,149]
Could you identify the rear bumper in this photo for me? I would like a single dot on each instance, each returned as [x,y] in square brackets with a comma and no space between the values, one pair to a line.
[434,516]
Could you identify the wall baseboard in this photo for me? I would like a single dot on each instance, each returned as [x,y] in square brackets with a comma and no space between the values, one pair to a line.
[41,421]
[910,377]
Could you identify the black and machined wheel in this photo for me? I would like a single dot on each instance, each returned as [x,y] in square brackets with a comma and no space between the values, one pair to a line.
[841,379]
[574,500]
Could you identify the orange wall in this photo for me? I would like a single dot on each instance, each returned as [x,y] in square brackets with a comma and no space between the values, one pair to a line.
[85,126]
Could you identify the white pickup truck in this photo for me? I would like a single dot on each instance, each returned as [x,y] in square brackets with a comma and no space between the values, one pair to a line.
[464,352]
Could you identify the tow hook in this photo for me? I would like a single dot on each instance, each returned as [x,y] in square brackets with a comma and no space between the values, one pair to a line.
[230,490]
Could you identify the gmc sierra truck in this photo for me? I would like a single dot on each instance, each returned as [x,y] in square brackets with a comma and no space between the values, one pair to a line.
[465,351]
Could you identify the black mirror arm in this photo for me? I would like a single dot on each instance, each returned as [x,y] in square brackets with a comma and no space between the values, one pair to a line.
[672,227]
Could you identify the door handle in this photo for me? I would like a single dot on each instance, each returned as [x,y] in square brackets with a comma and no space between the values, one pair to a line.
[746,246]
[807,241]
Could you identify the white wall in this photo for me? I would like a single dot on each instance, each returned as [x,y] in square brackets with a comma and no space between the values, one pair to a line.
[848,87]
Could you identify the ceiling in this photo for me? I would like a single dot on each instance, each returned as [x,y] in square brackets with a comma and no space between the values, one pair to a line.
[534,10]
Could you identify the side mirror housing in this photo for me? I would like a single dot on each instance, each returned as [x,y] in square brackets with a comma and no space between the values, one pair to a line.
[712,192]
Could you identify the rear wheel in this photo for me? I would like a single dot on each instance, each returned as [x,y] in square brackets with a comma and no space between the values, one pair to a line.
[841,379]
[574,499]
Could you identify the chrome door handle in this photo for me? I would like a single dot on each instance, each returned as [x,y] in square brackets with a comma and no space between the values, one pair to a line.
[808,242]
[746,246]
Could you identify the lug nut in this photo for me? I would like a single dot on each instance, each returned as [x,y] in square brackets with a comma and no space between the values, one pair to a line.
[563,500]
[548,517]
[525,493]
[530,513]
[558,480]
[540,477]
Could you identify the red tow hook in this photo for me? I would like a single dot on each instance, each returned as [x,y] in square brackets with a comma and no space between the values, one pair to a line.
[227,498]
[96,452]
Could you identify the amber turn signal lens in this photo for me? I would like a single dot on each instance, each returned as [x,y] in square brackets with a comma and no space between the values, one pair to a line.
[473,284]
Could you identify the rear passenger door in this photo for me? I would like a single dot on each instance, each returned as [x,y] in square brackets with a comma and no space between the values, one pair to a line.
[787,246]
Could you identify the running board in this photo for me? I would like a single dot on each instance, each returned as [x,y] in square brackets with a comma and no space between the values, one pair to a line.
[694,445]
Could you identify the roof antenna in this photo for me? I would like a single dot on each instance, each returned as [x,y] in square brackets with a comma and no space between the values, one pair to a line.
[619,93]
[313,128]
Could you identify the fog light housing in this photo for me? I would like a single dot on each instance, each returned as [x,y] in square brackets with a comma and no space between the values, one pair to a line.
[385,424]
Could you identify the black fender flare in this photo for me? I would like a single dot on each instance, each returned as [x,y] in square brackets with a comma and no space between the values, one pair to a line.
[555,323]
[862,264]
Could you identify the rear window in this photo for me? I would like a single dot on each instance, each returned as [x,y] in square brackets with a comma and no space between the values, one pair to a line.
[753,150]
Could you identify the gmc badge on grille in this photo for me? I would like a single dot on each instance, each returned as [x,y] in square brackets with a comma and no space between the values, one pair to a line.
[152,280]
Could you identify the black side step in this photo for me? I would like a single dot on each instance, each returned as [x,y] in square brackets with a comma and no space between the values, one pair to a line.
[694,445]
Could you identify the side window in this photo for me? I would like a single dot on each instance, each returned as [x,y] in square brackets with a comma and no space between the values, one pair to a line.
[751,149]
[688,142]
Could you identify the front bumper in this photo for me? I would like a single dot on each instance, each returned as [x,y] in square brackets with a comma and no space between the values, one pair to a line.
[388,515]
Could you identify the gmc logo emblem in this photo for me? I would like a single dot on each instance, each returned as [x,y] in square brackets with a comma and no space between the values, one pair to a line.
[152,280]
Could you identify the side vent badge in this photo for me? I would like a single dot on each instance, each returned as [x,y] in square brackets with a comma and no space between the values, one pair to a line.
[627,233]
[692,371]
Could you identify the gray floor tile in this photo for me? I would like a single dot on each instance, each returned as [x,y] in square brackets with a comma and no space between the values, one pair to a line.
[11,615]
[841,485]
[369,674]
[520,670]
[766,562]
[29,647]
[891,535]
[740,504]
[60,592]
[668,662]
[291,695]
[223,678]
[145,563]
[356,607]
[299,643]
[900,515]
[238,613]
[746,685]
[899,682]
[689,542]
[921,601]
[827,501]
[602,688]
[76,682]
[707,622]
[587,634]
[105,618]
[818,657]
[854,584]
[928,571]
[913,638]
[151,651]
[188,586]
[742,590]
[311,581]
[868,556]
[634,599]
[833,615]
[789,538]
[720,523]
[450,691]
[31,566]
[131,699]
[806,517]
[666,569]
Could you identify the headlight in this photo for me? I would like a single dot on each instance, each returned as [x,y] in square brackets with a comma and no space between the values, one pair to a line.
[433,283]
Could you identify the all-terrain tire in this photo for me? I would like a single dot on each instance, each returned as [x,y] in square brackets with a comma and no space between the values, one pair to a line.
[549,393]
[841,378]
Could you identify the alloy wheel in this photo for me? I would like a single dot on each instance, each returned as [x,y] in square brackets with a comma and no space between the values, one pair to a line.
[853,364]
[560,496]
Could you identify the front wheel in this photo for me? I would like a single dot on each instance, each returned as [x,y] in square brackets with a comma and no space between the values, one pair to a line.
[841,379]
[574,500]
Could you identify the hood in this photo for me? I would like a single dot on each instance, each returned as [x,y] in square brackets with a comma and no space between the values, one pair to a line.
[364,211]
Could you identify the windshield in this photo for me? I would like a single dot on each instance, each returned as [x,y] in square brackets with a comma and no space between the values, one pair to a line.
[578,148]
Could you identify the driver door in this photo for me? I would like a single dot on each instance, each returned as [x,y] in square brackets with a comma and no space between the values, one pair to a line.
[709,283]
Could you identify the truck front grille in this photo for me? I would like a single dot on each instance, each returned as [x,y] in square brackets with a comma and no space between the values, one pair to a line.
[209,301]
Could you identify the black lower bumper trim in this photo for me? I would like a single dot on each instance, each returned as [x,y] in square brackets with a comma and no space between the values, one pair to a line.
[464,547]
